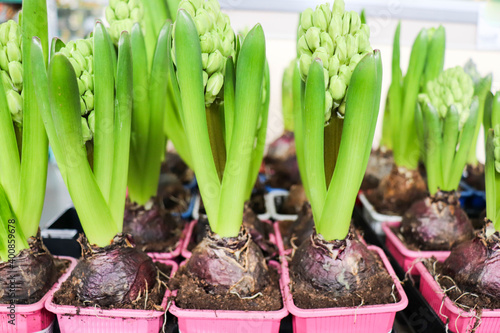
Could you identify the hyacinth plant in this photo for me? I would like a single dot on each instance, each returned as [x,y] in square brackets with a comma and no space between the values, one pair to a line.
[145,20]
[337,87]
[222,84]
[474,264]
[23,161]
[96,178]
[448,114]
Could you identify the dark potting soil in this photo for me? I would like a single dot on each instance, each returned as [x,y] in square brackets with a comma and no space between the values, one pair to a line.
[191,295]
[408,245]
[292,204]
[67,295]
[176,198]
[377,289]
[474,176]
[461,298]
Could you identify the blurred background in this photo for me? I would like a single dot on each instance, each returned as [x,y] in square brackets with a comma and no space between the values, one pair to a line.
[472,32]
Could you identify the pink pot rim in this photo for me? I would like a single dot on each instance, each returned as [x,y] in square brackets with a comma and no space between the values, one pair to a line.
[404,250]
[189,234]
[28,308]
[232,314]
[429,279]
[347,311]
[117,313]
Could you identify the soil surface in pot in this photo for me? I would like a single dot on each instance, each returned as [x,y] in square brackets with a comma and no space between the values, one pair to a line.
[464,299]
[474,176]
[259,231]
[191,295]
[67,295]
[379,166]
[154,229]
[397,191]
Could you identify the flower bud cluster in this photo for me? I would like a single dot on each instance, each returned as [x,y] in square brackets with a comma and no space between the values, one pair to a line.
[11,67]
[122,15]
[339,39]
[217,42]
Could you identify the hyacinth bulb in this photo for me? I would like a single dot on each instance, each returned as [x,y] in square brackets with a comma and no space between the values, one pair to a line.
[11,68]
[452,87]
[122,15]
[217,42]
[80,54]
[339,39]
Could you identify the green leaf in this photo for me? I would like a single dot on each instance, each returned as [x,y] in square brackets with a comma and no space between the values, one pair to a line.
[55,46]
[104,105]
[93,211]
[314,123]
[492,204]
[34,157]
[435,55]
[433,144]
[229,99]
[248,106]
[395,98]
[480,90]
[189,73]
[362,107]
[122,126]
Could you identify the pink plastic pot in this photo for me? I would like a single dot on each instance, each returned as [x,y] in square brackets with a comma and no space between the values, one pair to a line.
[176,252]
[405,257]
[223,321]
[459,321]
[32,318]
[74,319]
[369,318]
[189,237]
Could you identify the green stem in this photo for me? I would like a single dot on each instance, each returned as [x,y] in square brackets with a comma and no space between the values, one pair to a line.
[480,90]
[362,107]
[215,123]
[333,135]
[433,143]
[490,178]
[248,107]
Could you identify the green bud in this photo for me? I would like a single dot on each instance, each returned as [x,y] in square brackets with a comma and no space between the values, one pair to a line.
[86,133]
[322,16]
[351,45]
[88,99]
[355,23]
[88,81]
[81,87]
[214,85]
[337,87]
[13,51]
[327,42]
[113,3]
[306,19]
[91,121]
[206,42]
[304,64]
[313,38]
[338,7]
[341,50]
[6,81]
[122,11]
[346,23]
[84,47]
[14,32]
[215,62]
[341,110]
[203,21]
[322,54]
[4,61]
[76,67]
[345,73]
[16,74]
[204,60]
[15,103]
[335,28]
[497,166]
[205,79]
[333,65]
[4,33]
[110,14]
[328,106]
[188,6]
[302,46]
